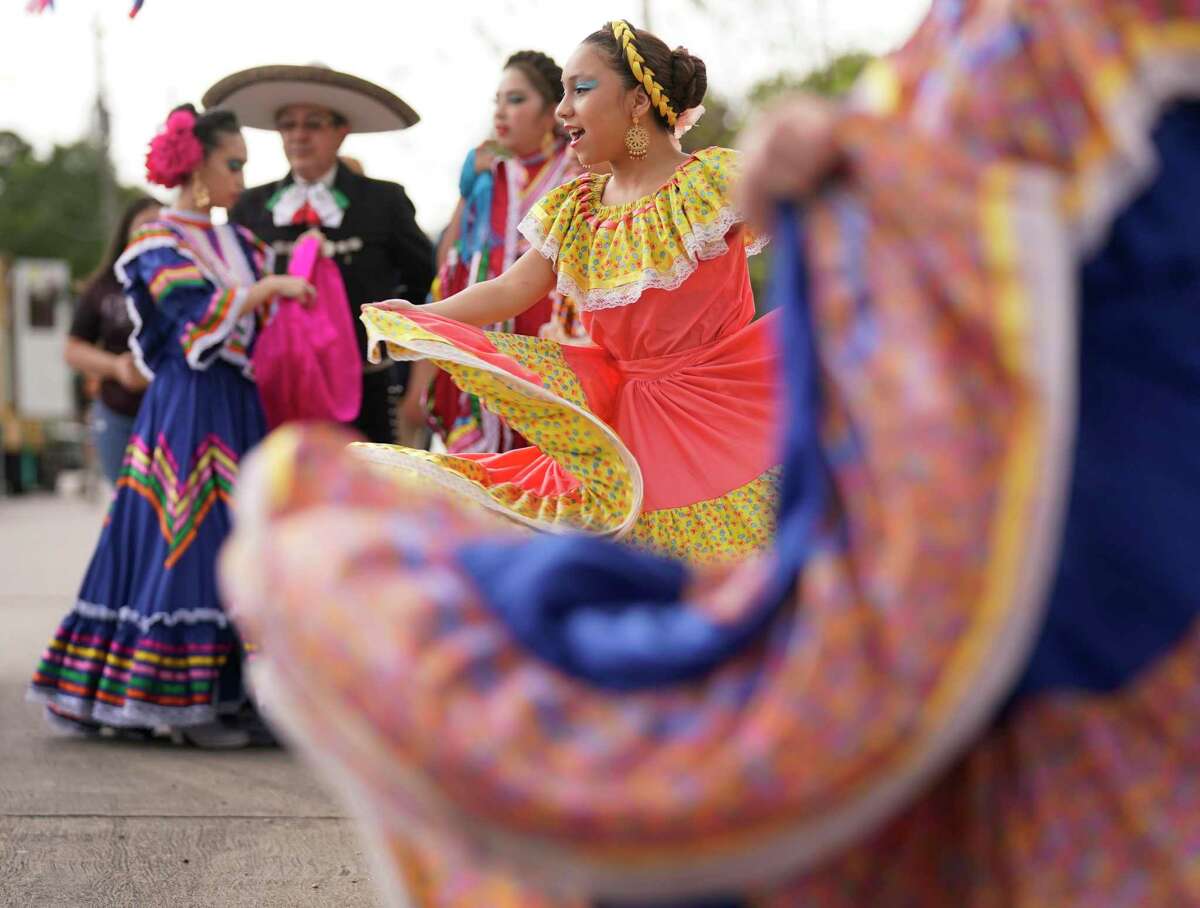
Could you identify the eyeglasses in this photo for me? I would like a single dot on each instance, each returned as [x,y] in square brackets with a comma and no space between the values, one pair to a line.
[308,124]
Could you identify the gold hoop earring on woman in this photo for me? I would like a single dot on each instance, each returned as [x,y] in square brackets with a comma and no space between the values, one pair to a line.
[200,193]
[637,140]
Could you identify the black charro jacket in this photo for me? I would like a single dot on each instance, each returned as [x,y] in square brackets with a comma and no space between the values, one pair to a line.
[379,249]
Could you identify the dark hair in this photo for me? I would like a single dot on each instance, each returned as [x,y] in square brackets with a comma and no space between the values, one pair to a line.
[682,77]
[542,72]
[211,125]
[120,238]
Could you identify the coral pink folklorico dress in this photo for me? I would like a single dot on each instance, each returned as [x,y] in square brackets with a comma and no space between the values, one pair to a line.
[662,429]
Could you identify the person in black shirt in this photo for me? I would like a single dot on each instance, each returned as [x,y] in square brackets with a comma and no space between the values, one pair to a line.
[98,346]
[369,225]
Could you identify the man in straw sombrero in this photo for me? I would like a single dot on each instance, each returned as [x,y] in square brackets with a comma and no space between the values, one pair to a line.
[370,224]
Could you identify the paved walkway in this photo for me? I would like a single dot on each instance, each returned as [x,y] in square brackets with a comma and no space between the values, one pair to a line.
[100,823]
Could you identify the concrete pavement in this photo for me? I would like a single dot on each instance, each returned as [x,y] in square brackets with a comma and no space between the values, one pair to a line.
[105,823]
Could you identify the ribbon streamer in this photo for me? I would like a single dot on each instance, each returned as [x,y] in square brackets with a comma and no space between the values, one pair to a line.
[40,6]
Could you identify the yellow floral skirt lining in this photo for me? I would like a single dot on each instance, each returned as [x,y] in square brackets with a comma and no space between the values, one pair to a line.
[579,476]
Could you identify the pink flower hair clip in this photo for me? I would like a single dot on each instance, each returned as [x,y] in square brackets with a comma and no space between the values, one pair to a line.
[175,152]
[687,120]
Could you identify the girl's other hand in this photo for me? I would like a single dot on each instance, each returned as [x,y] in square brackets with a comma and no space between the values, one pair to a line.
[273,285]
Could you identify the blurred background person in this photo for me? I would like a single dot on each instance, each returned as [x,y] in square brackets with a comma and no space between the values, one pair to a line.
[501,179]
[98,346]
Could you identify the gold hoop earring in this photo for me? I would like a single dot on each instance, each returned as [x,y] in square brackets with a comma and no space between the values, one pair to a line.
[200,193]
[637,140]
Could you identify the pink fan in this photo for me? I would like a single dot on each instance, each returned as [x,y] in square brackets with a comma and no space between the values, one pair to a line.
[306,362]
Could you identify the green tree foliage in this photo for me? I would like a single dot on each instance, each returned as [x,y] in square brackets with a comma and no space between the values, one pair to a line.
[51,207]
[721,121]
[832,80]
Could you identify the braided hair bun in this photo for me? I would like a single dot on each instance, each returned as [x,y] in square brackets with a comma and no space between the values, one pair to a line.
[541,71]
[688,81]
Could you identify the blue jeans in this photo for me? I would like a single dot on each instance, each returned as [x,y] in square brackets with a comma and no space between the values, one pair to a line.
[110,434]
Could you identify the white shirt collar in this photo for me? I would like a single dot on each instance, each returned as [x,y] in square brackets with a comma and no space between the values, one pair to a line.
[326,179]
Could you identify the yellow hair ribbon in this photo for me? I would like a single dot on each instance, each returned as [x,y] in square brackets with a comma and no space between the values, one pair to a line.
[623,32]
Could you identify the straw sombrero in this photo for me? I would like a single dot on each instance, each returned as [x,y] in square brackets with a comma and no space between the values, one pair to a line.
[257,94]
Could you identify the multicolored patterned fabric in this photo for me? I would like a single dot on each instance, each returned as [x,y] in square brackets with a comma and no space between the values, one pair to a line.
[918,698]
[606,255]
[148,641]
[704,774]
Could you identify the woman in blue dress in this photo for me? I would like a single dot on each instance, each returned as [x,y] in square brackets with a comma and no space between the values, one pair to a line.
[148,644]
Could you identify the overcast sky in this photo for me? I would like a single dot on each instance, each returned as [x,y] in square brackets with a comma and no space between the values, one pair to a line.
[443,57]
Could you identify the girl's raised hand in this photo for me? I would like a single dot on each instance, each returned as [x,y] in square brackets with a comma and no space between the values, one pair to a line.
[393,305]
[295,288]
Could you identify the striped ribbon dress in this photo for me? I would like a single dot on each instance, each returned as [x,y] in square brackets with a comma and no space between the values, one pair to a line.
[147,641]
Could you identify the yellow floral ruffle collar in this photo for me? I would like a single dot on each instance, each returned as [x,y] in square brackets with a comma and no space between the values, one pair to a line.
[607,255]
